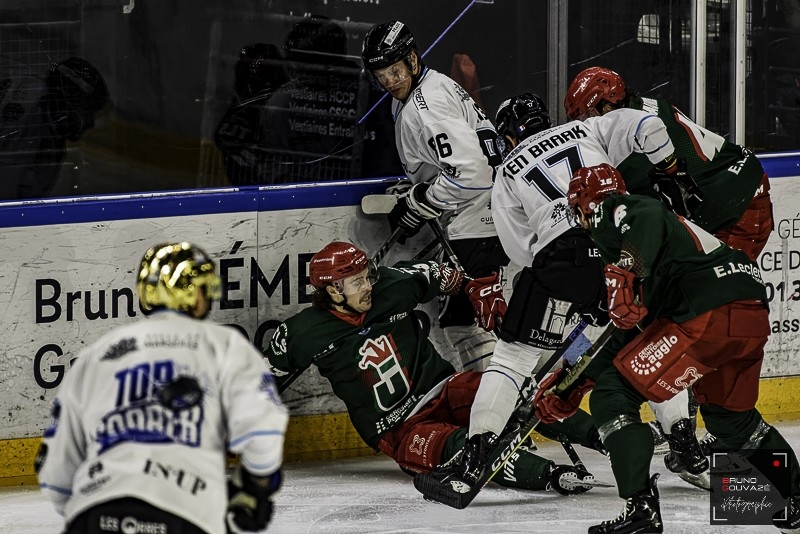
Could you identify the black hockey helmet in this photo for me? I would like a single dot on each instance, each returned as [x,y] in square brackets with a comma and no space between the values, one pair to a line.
[76,92]
[386,44]
[75,79]
[522,116]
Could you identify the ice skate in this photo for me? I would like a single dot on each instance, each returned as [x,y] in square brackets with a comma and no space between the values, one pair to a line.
[685,457]
[458,476]
[641,514]
[572,480]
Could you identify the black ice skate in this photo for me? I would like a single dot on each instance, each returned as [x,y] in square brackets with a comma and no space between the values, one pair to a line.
[641,514]
[685,456]
[788,519]
[448,482]
[572,480]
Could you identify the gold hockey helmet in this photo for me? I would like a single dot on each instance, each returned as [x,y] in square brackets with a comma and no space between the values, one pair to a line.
[171,274]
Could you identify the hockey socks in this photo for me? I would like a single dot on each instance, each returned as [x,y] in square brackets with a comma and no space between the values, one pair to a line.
[630,449]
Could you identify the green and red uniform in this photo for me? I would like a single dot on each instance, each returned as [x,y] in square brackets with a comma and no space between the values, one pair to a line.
[401,395]
[736,206]
[706,328]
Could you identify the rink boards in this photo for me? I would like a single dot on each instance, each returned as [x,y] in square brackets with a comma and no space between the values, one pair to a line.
[69,266]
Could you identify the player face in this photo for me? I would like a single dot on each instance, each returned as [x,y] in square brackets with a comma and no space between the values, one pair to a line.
[579,219]
[357,290]
[396,79]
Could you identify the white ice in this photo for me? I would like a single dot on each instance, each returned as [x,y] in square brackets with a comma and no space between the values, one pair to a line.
[371,495]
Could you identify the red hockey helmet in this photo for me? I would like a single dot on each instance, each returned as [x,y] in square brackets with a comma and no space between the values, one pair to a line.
[591,185]
[335,261]
[590,89]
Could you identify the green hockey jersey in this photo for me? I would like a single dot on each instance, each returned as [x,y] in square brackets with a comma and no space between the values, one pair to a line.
[727,174]
[382,368]
[684,270]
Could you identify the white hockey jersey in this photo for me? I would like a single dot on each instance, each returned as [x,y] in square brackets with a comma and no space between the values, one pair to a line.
[109,436]
[444,138]
[529,202]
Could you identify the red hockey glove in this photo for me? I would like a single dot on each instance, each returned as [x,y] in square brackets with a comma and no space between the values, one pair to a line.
[450,279]
[552,408]
[486,296]
[623,308]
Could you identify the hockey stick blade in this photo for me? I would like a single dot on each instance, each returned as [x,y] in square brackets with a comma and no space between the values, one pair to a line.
[458,493]
[378,204]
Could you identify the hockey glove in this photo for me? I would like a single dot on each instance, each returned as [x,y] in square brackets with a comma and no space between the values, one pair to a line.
[249,501]
[450,279]
[486,296]
[551,408]
[677,188]
[624,305]
[412,210]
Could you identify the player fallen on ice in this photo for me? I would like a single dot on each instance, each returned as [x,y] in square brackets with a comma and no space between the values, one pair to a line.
[403,398]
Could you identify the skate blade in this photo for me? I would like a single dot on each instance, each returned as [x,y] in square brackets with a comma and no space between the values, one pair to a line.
[702,481]
[570,482]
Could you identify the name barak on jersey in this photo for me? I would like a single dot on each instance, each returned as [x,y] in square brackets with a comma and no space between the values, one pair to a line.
[518,162]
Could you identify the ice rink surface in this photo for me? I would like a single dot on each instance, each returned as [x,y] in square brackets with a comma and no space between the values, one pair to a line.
[371,495]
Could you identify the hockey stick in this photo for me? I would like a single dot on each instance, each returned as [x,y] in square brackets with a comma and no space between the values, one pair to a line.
[378,204]
[458,493]
[388,244]
[382,205]
[431,247]
[376,258]
[436,226]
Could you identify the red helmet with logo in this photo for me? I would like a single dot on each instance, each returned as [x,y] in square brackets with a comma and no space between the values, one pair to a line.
[589,89]
[591,185]
[335,261]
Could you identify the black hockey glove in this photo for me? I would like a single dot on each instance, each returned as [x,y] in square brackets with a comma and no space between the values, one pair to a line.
[677,188]
[249,502]
[412,211]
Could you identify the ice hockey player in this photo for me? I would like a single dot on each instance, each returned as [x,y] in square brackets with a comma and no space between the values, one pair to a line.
[719,185]
[448,149]
[731,182]
[563,272]
[403,398]
[140,426]
[701,307]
